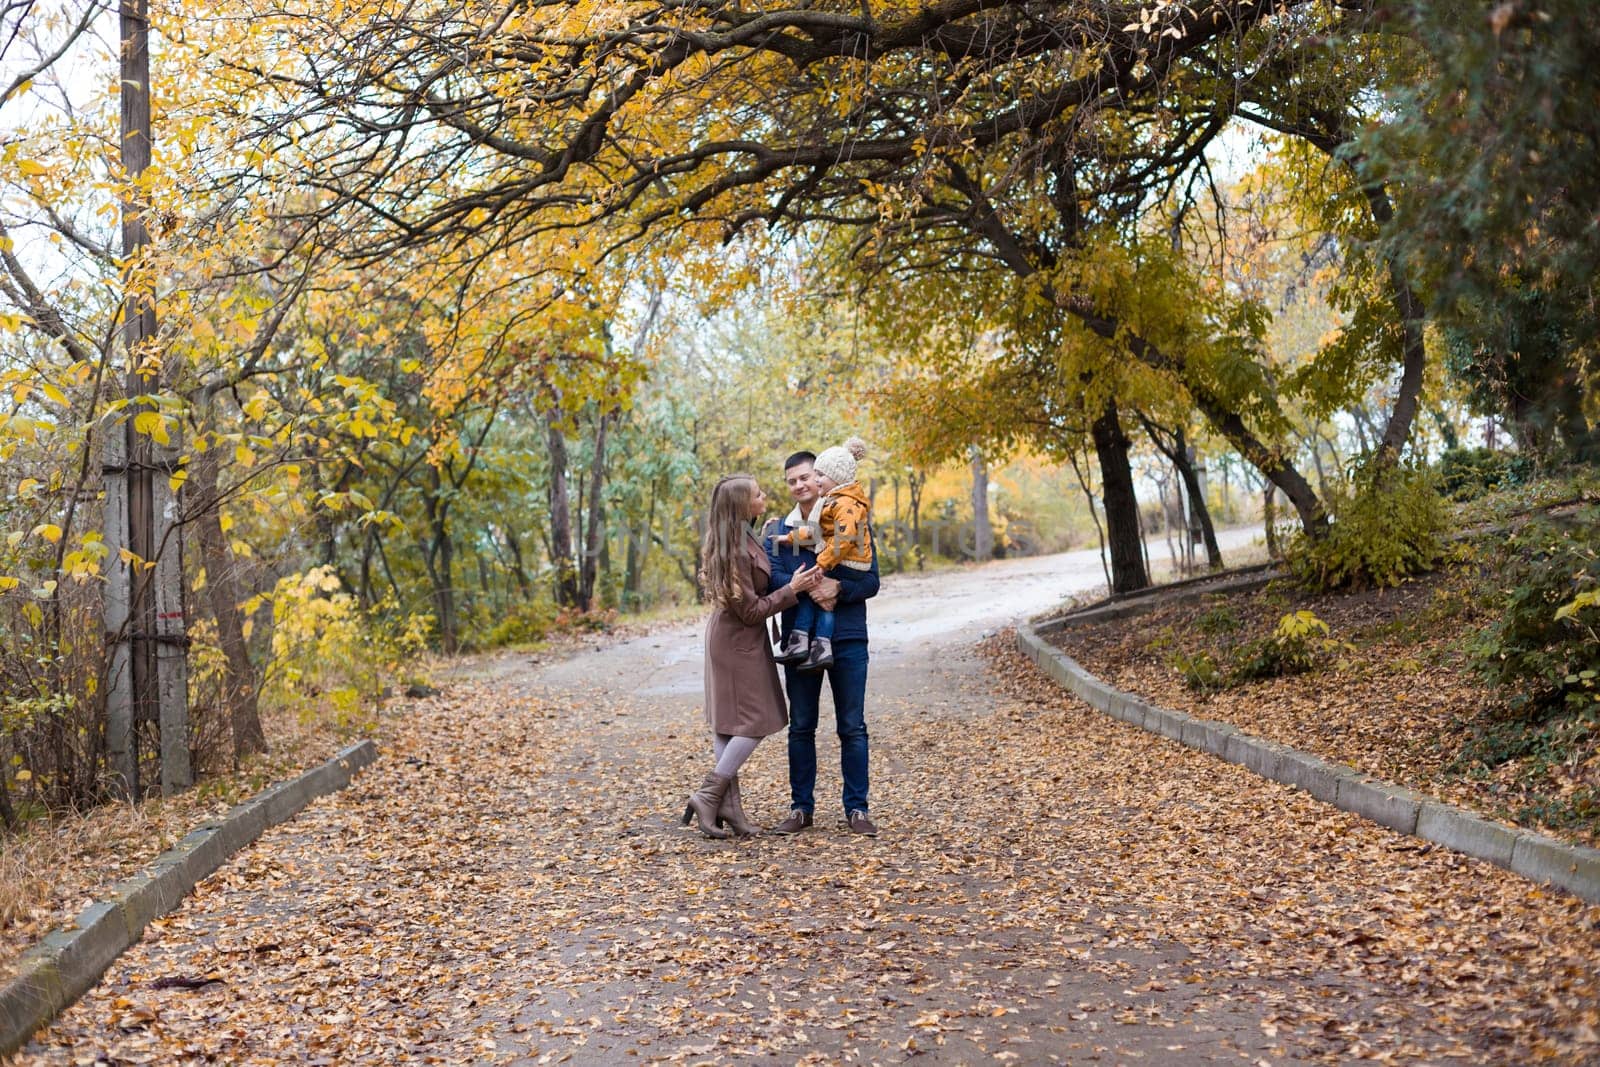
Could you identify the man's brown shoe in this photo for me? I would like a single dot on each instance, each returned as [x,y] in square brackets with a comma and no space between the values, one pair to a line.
[860,824]
[798,820]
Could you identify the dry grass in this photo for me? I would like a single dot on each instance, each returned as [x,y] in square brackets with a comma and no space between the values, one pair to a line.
[52,871]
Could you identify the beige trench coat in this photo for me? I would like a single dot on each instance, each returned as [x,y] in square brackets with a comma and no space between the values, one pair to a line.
[743,695]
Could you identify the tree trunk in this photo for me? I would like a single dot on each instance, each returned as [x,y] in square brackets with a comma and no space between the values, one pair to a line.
[1269,520]
[239,683]
[1316,463]
[388,571]
[1094,516]
[1366,430]
[1014,252]
[1170,510]
[438,556]
[519,570]
[367,551]
[594,542]
[1121,503]
[444,588]
[899,531]
[1230,424]
[915,481]
[638,553]
[1414,355]
[1280,473]
[982,528]
[566,574]
[1227,488]
[1199,511]
[147,676]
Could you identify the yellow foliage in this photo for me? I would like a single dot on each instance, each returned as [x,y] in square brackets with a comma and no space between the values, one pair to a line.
[326,648]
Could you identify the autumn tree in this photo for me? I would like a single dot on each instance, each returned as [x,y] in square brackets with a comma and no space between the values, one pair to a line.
[968,124]
[1492,144]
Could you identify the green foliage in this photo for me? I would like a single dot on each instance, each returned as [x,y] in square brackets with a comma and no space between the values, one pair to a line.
[1217,620]
[1492,143]
[1386,527]
[1469,473]
[1543,651]
[1536,749]
[1517,353]
[1300,642]
[523,624]
[1542,490]
[1200,671]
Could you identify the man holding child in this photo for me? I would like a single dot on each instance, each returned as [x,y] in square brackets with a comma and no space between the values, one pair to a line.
[844,593]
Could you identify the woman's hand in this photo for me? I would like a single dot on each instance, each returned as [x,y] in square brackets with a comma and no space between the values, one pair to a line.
[806,578]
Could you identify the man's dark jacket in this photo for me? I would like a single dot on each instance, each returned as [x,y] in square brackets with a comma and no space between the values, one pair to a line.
[855,587]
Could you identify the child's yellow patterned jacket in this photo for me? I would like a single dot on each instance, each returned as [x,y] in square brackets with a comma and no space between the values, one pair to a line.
[843,530]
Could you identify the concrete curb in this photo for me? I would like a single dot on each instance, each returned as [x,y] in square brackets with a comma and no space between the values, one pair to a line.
[1125,605]
[1534,856]
[67,963]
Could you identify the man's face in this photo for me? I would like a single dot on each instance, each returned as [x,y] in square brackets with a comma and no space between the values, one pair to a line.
[802,483]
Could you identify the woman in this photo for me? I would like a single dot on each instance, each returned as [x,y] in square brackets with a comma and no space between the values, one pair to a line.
[744,699]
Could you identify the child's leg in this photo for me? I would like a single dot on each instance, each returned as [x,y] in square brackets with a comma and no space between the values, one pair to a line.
[798,641]
[820,654]
[824,624]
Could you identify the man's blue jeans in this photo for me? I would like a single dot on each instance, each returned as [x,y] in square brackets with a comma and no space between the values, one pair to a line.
[848,677]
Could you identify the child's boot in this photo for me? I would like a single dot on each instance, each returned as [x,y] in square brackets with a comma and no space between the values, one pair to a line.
[796,647]
[821,655]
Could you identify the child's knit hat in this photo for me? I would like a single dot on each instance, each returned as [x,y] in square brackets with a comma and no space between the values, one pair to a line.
[839,462]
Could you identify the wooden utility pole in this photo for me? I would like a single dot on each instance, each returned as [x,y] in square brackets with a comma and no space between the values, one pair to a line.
[148,671]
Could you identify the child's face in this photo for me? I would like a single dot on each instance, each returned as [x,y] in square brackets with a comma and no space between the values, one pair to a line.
[824,483]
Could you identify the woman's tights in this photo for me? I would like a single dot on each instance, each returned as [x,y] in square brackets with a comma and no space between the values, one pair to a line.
[732,751]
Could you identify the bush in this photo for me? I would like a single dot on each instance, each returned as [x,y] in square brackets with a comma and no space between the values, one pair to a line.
[1217,620]
[1469,473]
[527,622]
[1299,643]
[1543,652]
[1386,527]
[1200,671]
[1294,647]
[51,707]
[329,653]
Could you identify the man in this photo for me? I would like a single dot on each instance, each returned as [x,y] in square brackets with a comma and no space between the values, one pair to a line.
[844,592]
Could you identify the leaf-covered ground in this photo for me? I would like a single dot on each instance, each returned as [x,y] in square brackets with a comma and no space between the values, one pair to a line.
[54,869]
[508,884]
[1398,700]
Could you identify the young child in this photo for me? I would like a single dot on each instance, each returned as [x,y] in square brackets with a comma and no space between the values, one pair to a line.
[843,535]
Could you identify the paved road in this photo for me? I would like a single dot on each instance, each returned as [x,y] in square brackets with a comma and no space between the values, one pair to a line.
[509,884]
[915,620]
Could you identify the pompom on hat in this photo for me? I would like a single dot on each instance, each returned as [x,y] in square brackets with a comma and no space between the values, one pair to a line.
[839,462]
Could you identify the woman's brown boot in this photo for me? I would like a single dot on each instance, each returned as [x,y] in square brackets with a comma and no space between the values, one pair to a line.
[732,812]
[704,802]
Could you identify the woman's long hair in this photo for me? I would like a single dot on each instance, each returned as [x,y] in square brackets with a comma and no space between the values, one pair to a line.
[727,526]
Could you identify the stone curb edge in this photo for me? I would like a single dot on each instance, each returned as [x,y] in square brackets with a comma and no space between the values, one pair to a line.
[1231,580]
[67,963]
[1534,856]
[1124,605]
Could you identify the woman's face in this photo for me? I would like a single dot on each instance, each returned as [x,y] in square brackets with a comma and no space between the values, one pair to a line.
[758,503]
